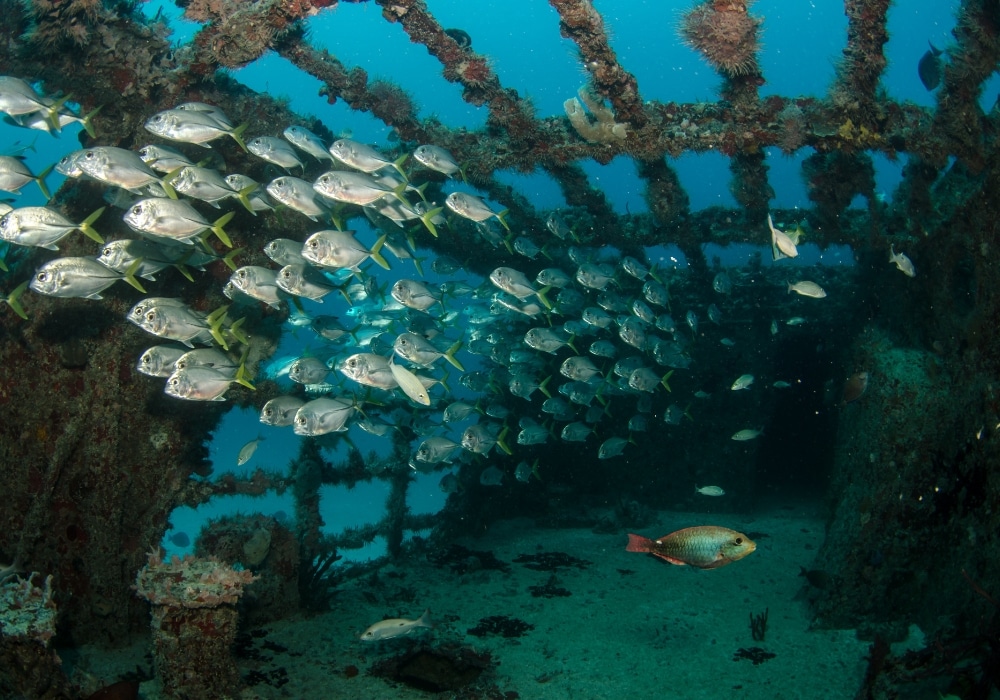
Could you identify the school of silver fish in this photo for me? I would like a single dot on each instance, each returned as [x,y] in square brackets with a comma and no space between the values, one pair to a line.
[543,347]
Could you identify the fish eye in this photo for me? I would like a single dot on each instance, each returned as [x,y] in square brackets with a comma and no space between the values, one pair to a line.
[41,276]
[286,274]
[739,540]
[175,382]
[268,411]
[150,316]
[90,154]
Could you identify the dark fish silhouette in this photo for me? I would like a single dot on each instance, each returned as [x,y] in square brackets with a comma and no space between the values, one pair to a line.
[929,67]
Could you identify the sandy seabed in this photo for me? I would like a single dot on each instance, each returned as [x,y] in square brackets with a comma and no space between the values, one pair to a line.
[633,626]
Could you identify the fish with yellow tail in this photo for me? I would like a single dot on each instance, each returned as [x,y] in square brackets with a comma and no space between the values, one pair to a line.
[703,547]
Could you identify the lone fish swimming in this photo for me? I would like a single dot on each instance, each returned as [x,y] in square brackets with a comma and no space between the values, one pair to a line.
[704,547]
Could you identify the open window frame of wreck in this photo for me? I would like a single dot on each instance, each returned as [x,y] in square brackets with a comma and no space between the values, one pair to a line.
[97,458]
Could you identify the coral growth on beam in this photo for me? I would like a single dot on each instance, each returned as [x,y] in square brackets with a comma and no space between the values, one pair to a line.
[604,129]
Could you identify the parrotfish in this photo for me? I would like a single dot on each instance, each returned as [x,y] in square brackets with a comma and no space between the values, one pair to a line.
[704,547]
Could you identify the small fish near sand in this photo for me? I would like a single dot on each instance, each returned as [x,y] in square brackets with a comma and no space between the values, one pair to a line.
[710,490]
[703,547]
[396,627]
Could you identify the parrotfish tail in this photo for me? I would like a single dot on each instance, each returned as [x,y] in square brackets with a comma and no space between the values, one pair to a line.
[426,219]
[13,301]
[666,380]
[88,123]
[220,232]
[40,180]
[230,259]
[376,255]
[236,332]
[244,197]
[502,218]
[638,543]
[544,299]
[398,165]
[130,275]
[450,356]
[88,230]
[571,346]
[541,387]
[500,441]
[237,135]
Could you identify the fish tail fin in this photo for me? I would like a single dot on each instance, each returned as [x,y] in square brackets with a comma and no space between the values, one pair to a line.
[421,189]
[417,263]
[544,299]
[571,346]
[230,258]
[426,219]
[182,268]
[236,331]
[501,443]
[87,121]
[687,413]
[449,355]
[398,192]
[638,543]
[541,387]
[398,165]
[241,374]
[654,273]
[13,300]
[376,255]
[502,218]
[130,275]
[789,286]
[665,381]
[237,135]
[244,197]
[215,321]
[87,226]
[40,181]
[220,232]
[534,470]
[52,113]
[425,620]
[3,265]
